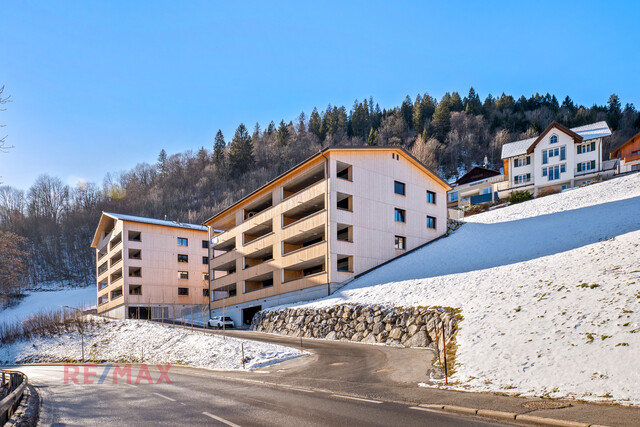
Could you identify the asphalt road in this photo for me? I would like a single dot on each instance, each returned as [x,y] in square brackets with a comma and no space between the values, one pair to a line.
[198,397]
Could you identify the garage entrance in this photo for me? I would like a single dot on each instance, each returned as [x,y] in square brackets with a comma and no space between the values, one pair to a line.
[248,313]
[139,313]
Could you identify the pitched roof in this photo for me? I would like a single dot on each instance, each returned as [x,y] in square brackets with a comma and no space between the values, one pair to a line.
[615,153]
[321,153]
[106,216]
[477,173]
[586,132]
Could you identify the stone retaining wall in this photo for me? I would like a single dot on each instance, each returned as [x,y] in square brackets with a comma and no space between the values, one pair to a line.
[411,327]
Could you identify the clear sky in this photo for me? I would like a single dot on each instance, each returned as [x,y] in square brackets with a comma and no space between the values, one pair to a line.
[98,87]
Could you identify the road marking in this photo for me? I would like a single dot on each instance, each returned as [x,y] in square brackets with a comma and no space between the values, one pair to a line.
[297,388]
[422,409]
[356,398]
[164,397]
[222,420]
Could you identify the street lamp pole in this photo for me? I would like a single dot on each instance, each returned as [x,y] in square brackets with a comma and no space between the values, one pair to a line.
[81,329]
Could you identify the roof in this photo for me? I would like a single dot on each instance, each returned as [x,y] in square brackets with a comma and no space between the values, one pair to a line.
[476,173]
[586,132]
[322,153]
[143,220]
[616,152]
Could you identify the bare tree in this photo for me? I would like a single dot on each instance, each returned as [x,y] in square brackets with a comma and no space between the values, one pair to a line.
[3,144]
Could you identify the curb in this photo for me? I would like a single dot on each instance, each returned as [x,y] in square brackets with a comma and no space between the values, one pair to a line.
[508,416]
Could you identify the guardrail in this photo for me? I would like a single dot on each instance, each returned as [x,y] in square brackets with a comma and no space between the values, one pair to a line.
[15,384]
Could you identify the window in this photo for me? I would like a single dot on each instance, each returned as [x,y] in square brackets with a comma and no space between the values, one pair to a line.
[586,166]
[345,233]
[563,168]
[205,276]
[521,179]
[635,167]
[563,153]
[399,188]
[545,157]
[135,236]
[486,190]
[344,202]
[135,254]
[523,161]
[553,139]
[205,292]
[431,222]
[205,244]
[431,197]
[554,173]
[399,215]
[205,260]
[586,148]
[183,241]
[183,258]
[452,196]
[135,290]
[344,263]
[635,153]
[183,292]
[343,171]
[401,242]
[183,274]
[135,272]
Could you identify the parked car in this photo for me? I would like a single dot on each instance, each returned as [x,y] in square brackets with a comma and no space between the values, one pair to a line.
[219,321]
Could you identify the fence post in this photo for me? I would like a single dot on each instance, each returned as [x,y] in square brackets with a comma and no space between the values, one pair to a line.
[243,361]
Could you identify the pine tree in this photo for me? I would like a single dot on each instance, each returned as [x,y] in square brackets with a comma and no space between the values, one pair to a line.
[302,126]
[373,134]
[240,152]
[441,122]
[162,162]
[472,103]
[614,111]
[218,149]
[315,124]
[283,133]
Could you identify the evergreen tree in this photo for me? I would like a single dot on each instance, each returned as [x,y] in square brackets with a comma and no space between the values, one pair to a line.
[472,103]
[315,124]
[218,149]
[406,111]
[162,162]
[283,133]
[373,134]
[240,151]
[614,111]
[302,127]
[455,103]
[441,122]
[271,128]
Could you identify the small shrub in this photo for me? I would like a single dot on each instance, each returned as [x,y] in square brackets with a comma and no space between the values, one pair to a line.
[519,197]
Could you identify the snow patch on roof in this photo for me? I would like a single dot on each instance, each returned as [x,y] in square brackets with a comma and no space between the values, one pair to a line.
[153,221]
[587,132]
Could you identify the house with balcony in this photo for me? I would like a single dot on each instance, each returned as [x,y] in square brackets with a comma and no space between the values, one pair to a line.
[558,158]
[150,269]
[479,185]
[628,155]
[302,235]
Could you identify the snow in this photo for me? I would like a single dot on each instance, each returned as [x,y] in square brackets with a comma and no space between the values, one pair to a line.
[549,291]
[165,223]
[142,341]
[47,300]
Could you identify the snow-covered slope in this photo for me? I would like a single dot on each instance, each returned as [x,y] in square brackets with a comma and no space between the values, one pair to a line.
[549,291]
[46,300]
[138,340]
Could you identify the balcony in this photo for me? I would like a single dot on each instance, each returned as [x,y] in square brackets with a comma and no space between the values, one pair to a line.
[258,282]
[303,239]
[102,285]
[257,232]
[115,259]
[303,210]
[303,181]
[313,251]
[224,292]
[223,259]
[259,257]
[115,241]
[103,300]
[116,293]
[304,269]
[115,276]
[103,268]
[257,207]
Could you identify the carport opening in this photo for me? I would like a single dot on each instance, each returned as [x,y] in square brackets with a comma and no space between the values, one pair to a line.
[248,313]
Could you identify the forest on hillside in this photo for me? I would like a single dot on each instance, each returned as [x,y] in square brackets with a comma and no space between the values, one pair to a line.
[51,224]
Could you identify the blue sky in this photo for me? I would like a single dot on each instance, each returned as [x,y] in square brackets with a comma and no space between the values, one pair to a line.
[98,87]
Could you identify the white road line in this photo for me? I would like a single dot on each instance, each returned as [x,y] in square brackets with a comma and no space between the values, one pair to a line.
[422,409]
[290,387]
[222,420]
[164,397]
[356,398]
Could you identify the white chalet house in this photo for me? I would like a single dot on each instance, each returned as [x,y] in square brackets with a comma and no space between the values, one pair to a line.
[559,157]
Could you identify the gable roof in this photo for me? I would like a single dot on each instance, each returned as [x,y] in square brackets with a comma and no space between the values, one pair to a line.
[584,133]
[321,153]
[140,219]
[615,153]
[477,173]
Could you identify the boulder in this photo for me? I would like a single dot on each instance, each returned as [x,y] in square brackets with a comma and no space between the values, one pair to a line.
[357,337]
[412,329]
[330,336]
[361,327]
[377,328]
[395,333]
[420,339]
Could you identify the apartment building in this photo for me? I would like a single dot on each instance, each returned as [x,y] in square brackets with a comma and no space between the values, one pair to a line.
[150,269]
[559,157]
[479,185]
[628,155]
[337,214]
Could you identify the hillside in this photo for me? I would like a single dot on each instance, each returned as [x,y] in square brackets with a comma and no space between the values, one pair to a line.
[549,291]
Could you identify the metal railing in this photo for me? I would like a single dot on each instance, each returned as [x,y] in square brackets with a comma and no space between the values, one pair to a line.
[14,383]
